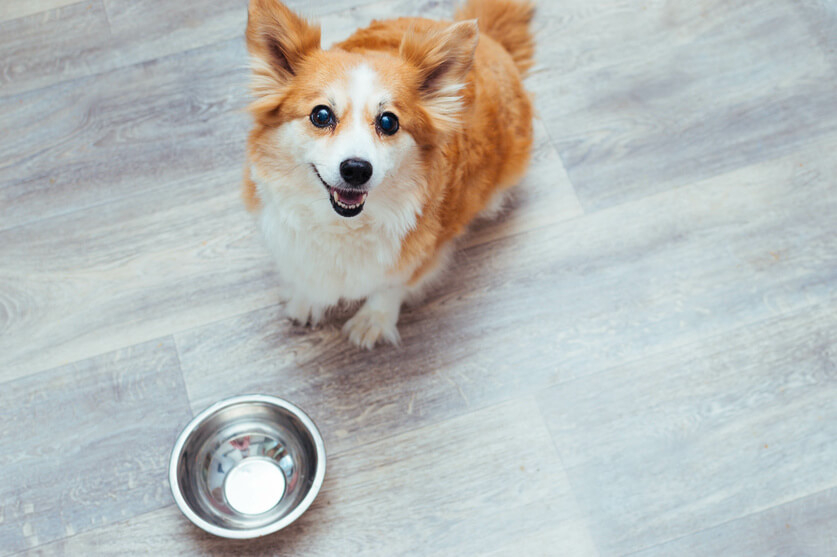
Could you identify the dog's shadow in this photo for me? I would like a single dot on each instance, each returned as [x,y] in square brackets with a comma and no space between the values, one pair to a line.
[445,324]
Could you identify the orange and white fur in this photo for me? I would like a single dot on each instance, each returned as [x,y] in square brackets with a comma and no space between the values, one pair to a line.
[368,160]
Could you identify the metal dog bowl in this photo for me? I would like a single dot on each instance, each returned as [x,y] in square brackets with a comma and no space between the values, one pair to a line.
[247,466]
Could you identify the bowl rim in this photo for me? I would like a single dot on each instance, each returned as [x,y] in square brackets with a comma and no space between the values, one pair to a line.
[319,474]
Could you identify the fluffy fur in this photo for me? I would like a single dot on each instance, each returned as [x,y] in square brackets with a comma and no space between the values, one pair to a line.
[464,137]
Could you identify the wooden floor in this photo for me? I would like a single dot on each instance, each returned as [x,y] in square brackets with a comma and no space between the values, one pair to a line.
[639,358]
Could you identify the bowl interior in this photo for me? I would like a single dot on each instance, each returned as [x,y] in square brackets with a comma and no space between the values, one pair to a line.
[247,466]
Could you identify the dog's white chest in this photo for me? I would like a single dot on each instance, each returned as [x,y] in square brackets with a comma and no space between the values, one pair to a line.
[327,263]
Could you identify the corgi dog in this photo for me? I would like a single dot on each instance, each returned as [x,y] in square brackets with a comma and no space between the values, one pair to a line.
[368,160]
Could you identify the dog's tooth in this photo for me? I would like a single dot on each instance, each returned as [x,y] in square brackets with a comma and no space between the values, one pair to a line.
[335,196]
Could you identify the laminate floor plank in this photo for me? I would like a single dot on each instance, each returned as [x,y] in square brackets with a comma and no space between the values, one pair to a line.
[59,44]
[806,527]
[14,10]
[337,25]
[87,445]
[126,272]
[821,16]
[733,425]
[643,97]
[148,29]
[489,479]
[99,36]
[147,127]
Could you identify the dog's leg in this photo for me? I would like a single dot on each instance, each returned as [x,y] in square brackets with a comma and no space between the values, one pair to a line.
[376,319]
[303,311]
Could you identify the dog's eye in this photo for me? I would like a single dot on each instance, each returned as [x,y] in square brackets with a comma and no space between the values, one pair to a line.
[388,123]
[322,117]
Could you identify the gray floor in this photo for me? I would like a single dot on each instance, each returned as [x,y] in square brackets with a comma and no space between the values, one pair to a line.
[639,358]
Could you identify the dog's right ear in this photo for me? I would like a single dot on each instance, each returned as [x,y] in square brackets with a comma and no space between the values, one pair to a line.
[442,59]
[278,40]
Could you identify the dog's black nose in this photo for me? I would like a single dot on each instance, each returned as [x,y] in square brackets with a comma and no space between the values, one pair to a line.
[356,172]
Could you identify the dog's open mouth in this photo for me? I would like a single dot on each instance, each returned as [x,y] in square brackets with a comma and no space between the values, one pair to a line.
[346,203]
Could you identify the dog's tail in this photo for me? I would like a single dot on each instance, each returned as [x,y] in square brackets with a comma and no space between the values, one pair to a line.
[507,22]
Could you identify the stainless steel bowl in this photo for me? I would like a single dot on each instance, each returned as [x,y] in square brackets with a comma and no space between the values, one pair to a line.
[247,466]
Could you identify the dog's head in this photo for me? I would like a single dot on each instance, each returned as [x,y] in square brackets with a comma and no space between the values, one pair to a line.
[351,128]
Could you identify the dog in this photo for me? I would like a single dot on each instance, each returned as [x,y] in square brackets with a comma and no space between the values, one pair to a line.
[367,161]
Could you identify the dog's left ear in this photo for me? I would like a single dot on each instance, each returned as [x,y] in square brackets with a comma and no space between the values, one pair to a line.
[443,58]
[278,40]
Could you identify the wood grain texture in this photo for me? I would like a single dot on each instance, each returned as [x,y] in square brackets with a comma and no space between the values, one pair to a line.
[148,29]
[821,17]
[488,480]
[87,445]
[14,10]
[338,25]
[806,527]
[107,277]
[643,97]
[729,426]
[155,126]
[52,46]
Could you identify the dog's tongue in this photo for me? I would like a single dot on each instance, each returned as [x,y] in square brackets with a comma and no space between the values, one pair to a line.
[349,197]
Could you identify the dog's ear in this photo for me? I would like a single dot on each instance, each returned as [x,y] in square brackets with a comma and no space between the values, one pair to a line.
[278,40]
[443,58]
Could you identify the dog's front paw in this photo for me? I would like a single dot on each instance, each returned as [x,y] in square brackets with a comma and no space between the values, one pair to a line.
[369,326]
[302,312]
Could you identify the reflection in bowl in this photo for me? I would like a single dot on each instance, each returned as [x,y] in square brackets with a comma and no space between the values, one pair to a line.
[247,466]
